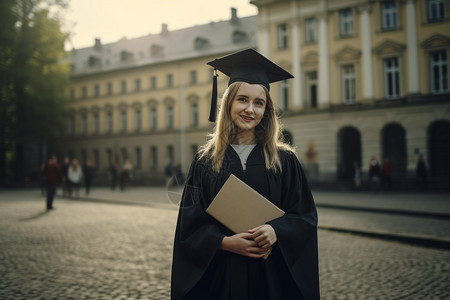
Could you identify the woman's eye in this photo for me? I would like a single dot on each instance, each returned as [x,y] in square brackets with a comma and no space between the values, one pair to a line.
[242,99]
[259,103]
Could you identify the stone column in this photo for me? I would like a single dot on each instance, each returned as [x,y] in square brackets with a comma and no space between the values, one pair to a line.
[296,68]
[324,67]
[411,38]
[366,46]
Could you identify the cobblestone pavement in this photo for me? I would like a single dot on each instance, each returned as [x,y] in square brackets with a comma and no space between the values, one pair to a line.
[85,250]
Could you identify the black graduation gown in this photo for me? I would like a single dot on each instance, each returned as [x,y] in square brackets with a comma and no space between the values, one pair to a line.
[200,270]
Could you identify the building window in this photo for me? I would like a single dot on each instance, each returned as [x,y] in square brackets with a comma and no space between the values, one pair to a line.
[96,158]
[169,80]
[388,15]
[194,114]
[96,90]
[391,78]
[71,125]
[109,122]
[83,124]
[109,89]
[124,154]
[83,92]
[193,77]
[311,30]
[170,154]
[83,157]
[71,94]
[284,88]
[282,36]
[123,87]
[95,123]
[153,118]
[137,119]
[239,37]
[138,157]
[109,157]
[137,85]
[439,72]
[123,120]
[346,22]
[154,157]
[169,117]
[436,10]
[348,84]
[153,83]
[311,89]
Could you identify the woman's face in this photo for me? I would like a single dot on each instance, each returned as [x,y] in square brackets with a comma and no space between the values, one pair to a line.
[248,106]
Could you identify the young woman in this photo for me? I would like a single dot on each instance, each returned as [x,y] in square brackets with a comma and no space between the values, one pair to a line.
[210,261]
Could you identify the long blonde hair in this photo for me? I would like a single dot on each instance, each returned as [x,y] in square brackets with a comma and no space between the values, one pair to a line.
[267,133]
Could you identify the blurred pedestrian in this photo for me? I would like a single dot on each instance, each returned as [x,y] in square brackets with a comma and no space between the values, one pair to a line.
[53,179]
[88,175]
[356,175]
[75,174]
[421,172]
[65,181]
[126,175]
[374,174]
[168,170]
[386,172]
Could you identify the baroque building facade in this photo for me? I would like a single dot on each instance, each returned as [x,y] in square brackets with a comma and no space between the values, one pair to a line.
[371,80]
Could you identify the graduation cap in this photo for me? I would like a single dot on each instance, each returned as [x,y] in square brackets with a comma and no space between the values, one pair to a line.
[247,66]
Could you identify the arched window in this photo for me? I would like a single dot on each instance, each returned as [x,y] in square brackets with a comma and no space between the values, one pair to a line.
[349,151]
[439,148]
[393,147]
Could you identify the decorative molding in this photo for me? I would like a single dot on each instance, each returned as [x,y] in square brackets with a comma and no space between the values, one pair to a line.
[348,53]
[436,41]
[310,59]
[389,46]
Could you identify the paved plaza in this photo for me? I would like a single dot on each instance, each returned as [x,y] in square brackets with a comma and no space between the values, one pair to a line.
[93,250]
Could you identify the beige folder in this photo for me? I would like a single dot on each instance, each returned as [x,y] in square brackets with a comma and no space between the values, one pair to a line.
[240,208]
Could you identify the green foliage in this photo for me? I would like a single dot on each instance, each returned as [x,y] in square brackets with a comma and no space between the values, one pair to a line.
[33,75]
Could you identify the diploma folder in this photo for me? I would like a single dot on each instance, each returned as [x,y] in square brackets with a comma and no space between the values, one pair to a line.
[240,208]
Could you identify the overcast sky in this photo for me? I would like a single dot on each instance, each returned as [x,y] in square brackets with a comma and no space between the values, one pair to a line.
[110,20]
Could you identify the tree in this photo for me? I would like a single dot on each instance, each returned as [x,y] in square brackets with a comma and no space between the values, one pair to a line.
[33,83]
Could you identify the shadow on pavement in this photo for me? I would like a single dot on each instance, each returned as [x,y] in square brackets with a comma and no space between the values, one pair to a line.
[36,216]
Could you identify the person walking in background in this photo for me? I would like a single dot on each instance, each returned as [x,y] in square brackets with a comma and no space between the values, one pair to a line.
[88,175]
[386,172]
[65,181]
[126,175]
[74,175]
[374,174]
[356,175]
[421,172]
[168,171]
[53,179]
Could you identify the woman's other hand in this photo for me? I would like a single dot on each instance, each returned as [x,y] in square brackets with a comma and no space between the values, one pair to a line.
[264,236]
[242,243]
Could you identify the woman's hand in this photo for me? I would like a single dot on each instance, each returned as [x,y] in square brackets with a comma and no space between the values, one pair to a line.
[242,243]
[264,236]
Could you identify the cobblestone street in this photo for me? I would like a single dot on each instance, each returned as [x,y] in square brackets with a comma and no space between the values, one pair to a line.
[86,250]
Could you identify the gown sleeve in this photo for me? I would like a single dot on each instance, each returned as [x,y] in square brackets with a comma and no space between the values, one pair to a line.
[197,237]
[297,230]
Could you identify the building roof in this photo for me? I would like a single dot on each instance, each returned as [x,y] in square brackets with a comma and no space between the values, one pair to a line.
[202,40]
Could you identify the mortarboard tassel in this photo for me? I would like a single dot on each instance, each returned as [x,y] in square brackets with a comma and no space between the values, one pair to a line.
[212,112]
